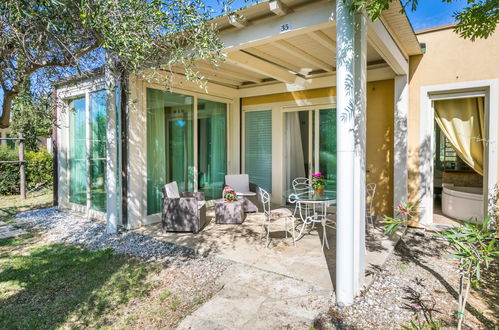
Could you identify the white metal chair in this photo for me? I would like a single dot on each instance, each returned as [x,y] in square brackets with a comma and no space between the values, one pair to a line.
[301,185]
[370,192]
[271,215]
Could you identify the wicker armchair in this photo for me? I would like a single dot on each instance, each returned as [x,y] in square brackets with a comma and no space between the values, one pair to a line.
[245,189]
[185,211]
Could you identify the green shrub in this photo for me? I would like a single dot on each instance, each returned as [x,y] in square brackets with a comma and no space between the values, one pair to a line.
[38,170]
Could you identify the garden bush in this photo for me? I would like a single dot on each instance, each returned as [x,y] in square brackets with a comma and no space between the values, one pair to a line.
[38,170]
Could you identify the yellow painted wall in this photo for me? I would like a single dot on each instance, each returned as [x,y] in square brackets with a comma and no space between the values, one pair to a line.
[380,99]
[379,134]
[448,59]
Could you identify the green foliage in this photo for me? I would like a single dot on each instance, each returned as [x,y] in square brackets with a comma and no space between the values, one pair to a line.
[403,213]
[31,116]
[38,170]
[478,20]
[9,173]
[475,247]
[43,41]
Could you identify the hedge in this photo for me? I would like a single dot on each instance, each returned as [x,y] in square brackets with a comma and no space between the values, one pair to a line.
[38,171]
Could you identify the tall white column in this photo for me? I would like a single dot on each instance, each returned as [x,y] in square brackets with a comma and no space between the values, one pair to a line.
[351,134]
[113,189]
[400,139]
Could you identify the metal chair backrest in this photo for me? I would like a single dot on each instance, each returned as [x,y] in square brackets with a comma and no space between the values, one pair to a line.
[265,198]
[301,185]
[370,192]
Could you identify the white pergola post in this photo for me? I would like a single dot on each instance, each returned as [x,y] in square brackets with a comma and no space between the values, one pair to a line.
[113,189]
[351,70]
[400,139]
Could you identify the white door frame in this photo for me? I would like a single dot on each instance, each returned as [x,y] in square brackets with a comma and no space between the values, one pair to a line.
[428,94]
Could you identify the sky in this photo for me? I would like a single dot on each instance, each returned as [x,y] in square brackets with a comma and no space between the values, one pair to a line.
[429,13]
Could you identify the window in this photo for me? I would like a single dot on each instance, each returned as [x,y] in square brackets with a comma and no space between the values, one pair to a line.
[258,148]
[88,164]
[77,152]
[171,146]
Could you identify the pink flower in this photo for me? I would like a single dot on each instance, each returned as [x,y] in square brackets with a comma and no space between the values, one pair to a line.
[403,213]
[399,207]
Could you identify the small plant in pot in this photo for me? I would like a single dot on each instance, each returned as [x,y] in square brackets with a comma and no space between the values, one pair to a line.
[318,182]
[229,194]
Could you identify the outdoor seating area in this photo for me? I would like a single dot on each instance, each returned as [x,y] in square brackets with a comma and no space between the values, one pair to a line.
[308,204]
[274,239]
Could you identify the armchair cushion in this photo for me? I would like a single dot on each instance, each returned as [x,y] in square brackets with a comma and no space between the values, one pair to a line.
[240,183]
[171,190]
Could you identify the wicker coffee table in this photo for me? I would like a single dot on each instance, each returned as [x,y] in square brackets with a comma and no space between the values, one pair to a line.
[229,212]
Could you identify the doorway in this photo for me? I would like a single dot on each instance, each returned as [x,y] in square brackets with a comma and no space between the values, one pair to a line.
[310,144]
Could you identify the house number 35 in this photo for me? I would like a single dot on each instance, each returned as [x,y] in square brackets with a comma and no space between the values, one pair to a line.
[285,27]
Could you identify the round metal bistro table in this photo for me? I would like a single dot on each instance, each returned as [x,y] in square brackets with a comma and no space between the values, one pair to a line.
[312,207]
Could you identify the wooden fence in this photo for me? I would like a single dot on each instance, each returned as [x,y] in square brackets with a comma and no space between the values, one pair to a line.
[21,162]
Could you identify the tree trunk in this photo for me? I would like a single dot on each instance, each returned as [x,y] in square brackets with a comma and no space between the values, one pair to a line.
[8,97]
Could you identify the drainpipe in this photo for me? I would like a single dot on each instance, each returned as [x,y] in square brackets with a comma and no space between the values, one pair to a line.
[351,131]
[55,152]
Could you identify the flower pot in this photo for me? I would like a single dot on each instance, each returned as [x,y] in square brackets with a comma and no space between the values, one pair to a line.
[319,191]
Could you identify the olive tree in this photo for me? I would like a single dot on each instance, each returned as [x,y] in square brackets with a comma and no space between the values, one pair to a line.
[45,40]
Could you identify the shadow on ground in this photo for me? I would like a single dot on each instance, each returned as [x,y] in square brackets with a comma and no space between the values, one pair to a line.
[46,286]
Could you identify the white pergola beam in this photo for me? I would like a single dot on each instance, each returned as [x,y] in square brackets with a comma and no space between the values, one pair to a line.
[299,22]
[274,59]
[224,72]
[259,66]
[237,20]
[278,8]
[381,40]
[324,40]
[297,52]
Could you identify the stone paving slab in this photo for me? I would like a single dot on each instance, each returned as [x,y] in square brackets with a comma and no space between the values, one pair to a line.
[252,298]
[8,231]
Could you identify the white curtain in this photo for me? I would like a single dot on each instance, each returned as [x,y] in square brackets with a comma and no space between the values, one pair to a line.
[295,164]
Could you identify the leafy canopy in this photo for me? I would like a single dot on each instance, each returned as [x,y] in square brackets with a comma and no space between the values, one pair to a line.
[45,40]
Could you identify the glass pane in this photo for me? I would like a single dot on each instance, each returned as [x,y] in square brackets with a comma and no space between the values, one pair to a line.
[212,147]
[169,144]
[258,148]
[296,129]
[77,152]
[327,146]
[98,150]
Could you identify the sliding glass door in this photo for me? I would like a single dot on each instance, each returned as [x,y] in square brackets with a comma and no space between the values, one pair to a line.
[77,152]
[212,147]
[327,147]
[87,162]
[310,144]
[171,145]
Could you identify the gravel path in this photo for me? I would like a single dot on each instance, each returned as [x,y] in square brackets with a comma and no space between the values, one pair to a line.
[62,227]
[415,278]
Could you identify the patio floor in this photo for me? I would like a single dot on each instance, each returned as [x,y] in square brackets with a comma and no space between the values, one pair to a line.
[242,244]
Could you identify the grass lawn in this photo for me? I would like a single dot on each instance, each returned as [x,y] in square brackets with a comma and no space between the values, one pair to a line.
[47,286]
[11,205]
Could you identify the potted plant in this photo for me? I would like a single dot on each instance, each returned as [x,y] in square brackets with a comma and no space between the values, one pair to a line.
[229,195]
[318,182]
